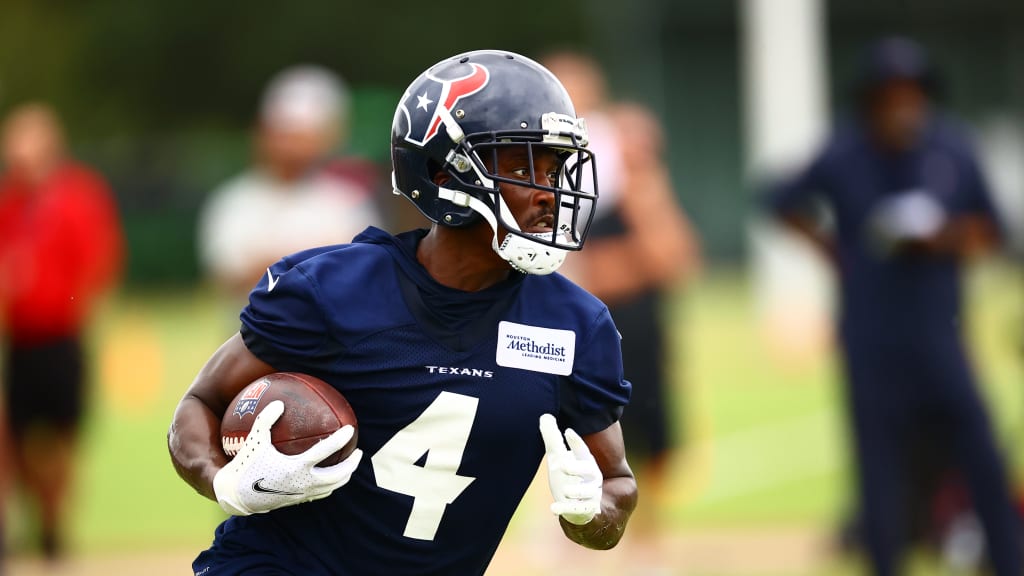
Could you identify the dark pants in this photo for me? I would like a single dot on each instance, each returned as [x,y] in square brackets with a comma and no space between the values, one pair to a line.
[899,398]
[645,421]
[44,387]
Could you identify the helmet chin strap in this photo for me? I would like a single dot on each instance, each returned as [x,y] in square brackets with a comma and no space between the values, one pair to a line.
[521,253]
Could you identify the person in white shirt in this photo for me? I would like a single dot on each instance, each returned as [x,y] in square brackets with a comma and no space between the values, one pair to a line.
[292,197]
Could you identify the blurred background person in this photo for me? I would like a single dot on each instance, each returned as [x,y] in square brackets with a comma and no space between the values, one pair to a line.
[907,206]
[5,479]
[296,194]
[587,86]
[640,251]
[60,251]
[641,246]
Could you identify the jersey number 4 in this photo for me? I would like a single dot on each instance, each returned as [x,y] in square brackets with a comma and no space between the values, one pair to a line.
[441,433]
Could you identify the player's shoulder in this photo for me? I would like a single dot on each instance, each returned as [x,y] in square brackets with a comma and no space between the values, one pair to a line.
[576,293]
[556,297]
[354,259]
[352,287]
[952,135]
[848,138]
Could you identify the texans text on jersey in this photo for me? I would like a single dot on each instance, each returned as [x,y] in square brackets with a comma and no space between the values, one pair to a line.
[460,371]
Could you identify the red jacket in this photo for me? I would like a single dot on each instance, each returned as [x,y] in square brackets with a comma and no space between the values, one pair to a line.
[61,247]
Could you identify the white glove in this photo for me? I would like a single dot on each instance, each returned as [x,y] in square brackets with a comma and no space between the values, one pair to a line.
[259,478]
[913,215]
[573,475]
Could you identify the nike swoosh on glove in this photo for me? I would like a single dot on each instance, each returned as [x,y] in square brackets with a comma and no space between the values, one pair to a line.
[573,475]
[260,479]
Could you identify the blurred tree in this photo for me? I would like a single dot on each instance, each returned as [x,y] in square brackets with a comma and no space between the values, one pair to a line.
[161,94]
[114,65]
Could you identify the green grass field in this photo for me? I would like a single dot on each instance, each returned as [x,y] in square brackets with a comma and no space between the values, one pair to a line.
[764,447]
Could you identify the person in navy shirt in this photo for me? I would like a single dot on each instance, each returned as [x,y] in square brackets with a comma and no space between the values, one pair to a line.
[464,356]
[908,205]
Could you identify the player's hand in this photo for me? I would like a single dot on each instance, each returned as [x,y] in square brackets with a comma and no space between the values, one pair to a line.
[907,217]
[259,478]
[573,474]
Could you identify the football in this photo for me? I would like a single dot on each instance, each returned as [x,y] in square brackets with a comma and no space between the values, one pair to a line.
[313,409]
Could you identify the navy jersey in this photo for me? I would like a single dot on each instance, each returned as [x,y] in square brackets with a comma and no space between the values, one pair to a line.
[448,387]
[891,301]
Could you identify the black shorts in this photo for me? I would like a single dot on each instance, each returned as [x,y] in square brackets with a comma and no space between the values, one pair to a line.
[44,384]
[646,421]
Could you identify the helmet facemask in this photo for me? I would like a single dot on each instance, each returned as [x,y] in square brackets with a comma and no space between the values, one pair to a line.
[472,164]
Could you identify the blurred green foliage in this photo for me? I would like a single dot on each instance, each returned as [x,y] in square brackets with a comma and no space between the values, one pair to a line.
[149,67]
[160,95]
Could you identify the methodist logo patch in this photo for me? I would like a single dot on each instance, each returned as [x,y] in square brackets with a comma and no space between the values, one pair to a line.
[534,348]
[251,398]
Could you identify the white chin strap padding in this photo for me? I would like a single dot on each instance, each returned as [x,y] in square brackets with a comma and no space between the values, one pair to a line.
[526,256]
[529,256]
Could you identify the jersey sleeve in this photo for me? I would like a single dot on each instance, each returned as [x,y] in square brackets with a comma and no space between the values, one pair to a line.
[593,396]
[284,324]
[977,198]
[796,194]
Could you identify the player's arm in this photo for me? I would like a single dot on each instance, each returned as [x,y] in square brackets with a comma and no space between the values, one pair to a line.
[967,236]
[975,228]
[916,223]
[797,203]
[194,443]
[618,493]
[659,247]
[194,435]
[594,489]
[661,233]
[808,228]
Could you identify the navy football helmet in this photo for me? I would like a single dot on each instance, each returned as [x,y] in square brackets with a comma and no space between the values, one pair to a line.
[459,113]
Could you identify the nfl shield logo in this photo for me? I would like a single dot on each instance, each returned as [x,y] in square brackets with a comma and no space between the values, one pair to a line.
[251,398]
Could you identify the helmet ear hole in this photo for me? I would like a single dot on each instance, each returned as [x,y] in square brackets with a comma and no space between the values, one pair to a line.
[437,175]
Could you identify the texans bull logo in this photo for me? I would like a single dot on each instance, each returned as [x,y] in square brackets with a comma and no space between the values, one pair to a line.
[422,108]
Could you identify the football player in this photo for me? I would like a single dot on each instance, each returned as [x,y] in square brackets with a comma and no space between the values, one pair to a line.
[909,208]
[465,358]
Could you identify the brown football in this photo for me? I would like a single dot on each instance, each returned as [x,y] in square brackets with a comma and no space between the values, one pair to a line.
[313,409]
